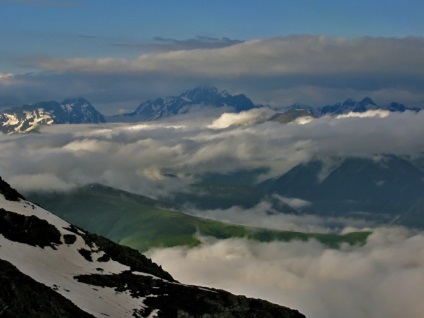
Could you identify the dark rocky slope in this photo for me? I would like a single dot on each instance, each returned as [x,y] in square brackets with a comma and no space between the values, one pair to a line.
[45,263]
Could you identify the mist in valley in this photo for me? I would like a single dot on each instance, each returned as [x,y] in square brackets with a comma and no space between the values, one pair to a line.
[383,278]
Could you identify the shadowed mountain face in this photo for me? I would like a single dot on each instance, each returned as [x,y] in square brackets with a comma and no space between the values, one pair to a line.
[8,192]
[50,268]
[291,115]
[387,185]
[349,105]
[22,296]
[342,108]
[184,103]
[366,104]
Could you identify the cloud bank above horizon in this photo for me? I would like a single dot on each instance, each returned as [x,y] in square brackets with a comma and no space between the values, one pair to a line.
[280,71]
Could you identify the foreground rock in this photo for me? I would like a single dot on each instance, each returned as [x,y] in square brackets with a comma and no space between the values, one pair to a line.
[50,268]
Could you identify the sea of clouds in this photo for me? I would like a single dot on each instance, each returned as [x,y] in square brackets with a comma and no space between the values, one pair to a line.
[383,278]
[137,157]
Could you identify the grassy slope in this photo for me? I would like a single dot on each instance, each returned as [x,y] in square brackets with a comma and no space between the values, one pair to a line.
[143,223]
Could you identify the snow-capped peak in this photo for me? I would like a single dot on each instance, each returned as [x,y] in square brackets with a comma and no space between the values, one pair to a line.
[28,117]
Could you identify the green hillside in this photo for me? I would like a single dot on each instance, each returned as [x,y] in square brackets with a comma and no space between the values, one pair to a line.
[144,223]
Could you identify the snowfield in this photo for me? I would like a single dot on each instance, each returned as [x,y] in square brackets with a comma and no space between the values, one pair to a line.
[64,263]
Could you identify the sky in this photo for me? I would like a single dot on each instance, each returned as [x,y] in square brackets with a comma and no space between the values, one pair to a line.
[119,54]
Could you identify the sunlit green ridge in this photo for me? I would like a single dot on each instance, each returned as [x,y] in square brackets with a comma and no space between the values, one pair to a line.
[144,223]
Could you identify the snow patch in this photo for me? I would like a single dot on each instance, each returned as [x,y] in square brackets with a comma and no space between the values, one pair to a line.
[65,262]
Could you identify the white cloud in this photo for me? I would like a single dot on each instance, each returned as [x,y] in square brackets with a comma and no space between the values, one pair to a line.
[41,182]
[7,79]
[263,215]
[316,70]
[384,278]
[312,55]
[294,202]
[5,75]
[250,117]
[369,113]
[303,120]
[135,157]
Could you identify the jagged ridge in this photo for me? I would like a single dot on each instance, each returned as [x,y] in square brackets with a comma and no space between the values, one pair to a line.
[175,105]
[28,117]
[76,111]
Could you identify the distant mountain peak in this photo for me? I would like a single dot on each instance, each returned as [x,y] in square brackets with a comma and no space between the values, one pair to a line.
[368,101]
[349,102]
[202,93]
[208,96]
[27,118]
[349,105]
[201,89]
[398,107]
[354,102]
[77,100]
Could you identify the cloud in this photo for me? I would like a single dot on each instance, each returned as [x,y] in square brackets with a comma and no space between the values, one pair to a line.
[169,44]
[243,118]
[384,278]
[296,55]
[294,202]
[41,182]
[4,76]
[136,156]
[8,80]
[316,70]
[264,216]
[369,113]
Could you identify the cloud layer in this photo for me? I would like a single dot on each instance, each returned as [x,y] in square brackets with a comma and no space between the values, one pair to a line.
[309,69]
[169,44]
[384,278]
[260,216]
[309,55]
[136,157]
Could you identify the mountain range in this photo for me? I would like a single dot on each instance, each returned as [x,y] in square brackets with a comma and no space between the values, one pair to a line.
[185,102]
[27,118]
[366,104]
[51,268]
[382,189]
[387,189]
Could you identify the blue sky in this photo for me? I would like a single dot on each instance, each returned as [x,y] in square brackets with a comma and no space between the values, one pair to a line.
[49,29]
[91,28]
